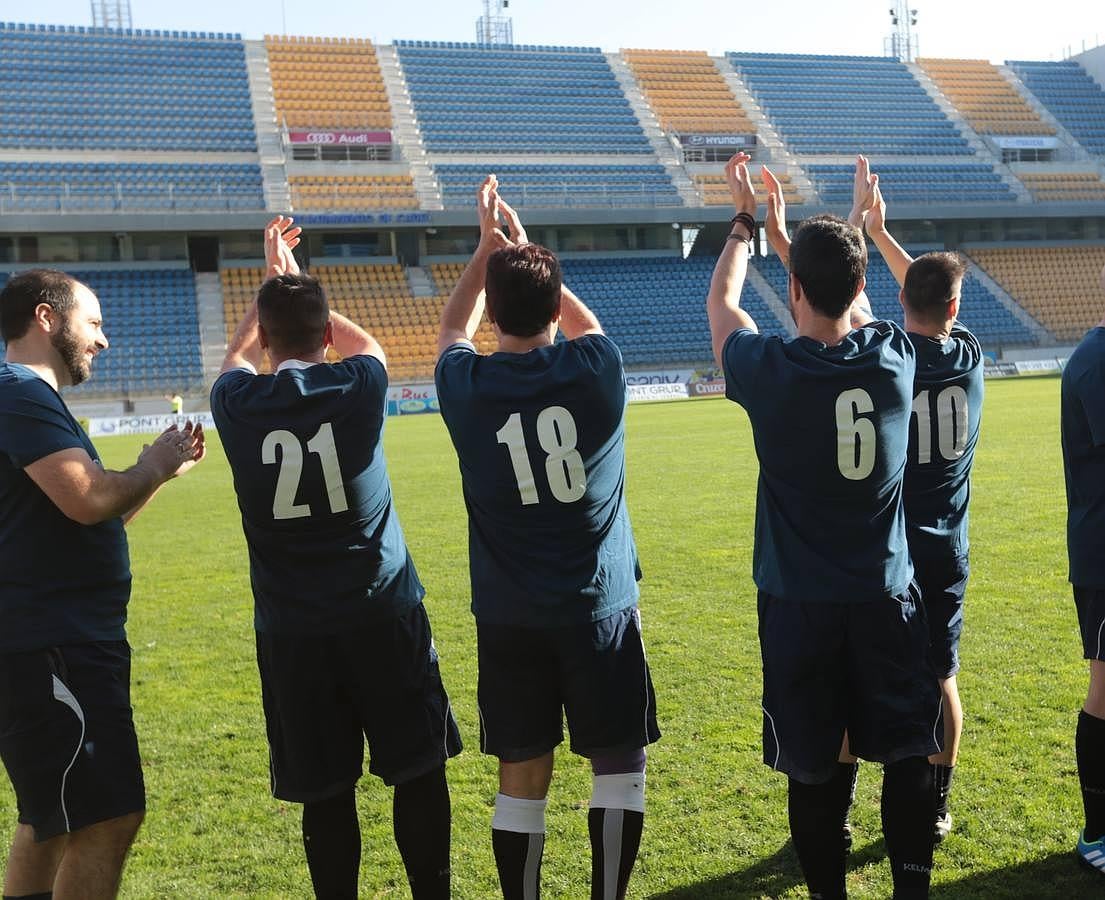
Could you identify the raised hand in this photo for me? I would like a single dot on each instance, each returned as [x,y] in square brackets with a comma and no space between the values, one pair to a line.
[863,191]
[491,208]
[776,224]
[740,184]
[175,450]
[875,220]
[280,240]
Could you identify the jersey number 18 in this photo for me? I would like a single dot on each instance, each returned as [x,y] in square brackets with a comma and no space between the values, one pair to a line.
[558,437]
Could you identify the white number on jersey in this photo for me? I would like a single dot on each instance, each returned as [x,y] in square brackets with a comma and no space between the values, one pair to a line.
[951,424]
[291,471]
[855,436]
[558,437]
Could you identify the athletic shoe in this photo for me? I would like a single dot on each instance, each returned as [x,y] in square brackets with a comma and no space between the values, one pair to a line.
[943,827]
[1092,853]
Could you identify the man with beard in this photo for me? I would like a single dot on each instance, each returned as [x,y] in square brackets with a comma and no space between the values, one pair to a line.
[67,735]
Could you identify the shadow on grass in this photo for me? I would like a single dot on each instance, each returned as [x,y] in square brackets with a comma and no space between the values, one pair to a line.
[771,877]
[1055,877]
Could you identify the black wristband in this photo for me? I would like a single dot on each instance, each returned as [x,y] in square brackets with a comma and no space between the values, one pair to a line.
[745,219]
[740,237]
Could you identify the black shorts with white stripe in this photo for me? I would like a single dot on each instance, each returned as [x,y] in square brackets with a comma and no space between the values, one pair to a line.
[67,736]
[1091,621]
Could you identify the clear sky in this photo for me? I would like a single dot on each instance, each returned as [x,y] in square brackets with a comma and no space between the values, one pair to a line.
[959,28]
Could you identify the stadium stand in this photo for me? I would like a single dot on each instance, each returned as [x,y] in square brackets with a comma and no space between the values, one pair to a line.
[917,183]
[715,192]
[518,99]
[563,186]
[338,192]
[1064,187]
[654,307]
[1059,286]
[985,98]
[687,93]
[152,329]
[72,186]
[84,88]
[846,104]
[982,312]
[327,83]
[1069,94]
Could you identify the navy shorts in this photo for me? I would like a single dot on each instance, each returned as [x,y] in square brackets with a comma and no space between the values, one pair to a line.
[324,695]
[856,667]
[596,674]
[1091,621]
[943,585]
[67,736]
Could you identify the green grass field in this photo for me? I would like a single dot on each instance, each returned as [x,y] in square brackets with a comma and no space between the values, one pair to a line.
[716,825]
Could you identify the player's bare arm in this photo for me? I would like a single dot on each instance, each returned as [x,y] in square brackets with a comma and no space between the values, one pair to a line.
[462,313]
[723,301]
[349,339]
[576,319]
[244,350]
[896,258]
[775,226]
[89,494]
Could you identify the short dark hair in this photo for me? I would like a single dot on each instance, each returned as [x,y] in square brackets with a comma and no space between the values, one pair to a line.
[25,291]
[931,281]
[293,311]
[829,258]
[523,289]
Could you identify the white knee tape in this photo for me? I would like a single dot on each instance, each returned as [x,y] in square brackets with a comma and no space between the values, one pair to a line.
[619,792]
[518,815]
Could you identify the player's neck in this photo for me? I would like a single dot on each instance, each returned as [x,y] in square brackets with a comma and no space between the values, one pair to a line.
[939,331]
[316,357]
[510,343]
[21,353]
[821,328]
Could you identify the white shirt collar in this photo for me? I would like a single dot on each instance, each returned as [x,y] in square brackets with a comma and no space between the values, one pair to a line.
[293,364]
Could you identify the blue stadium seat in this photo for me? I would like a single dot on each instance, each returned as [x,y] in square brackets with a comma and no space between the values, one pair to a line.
[1071,95]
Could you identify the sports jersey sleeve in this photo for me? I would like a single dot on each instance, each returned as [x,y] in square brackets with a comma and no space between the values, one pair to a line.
[369,373]
[224,389]
[453,372]
[741,361]
[33,425]
[1091,394]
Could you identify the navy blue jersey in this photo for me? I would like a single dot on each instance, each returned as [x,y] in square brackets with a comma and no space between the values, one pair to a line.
[326,551]
[541,442]
[1083,430]
[831,427]
[60,582]
[943,434]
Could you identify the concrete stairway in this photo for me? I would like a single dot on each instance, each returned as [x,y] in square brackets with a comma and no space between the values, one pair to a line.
[270,142]
[212,322]
[406,133]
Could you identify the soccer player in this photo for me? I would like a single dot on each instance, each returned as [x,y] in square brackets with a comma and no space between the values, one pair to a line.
[343,640]
[1083,433]
[539,429]
[842,632]
[67,734]
[944,428]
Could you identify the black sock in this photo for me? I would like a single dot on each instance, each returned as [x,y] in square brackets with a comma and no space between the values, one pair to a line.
[45,895]
[908,811]
[332,840]
[614,833]
[817,813]
[422,818]
[1089,748]
[942,782]
[518,859]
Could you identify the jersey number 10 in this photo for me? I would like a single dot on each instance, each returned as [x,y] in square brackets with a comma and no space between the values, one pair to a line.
[291,471]
[557,435]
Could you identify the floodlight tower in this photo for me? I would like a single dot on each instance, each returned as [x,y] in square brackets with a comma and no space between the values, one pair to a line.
[494,27]
[903,42]
[111,14]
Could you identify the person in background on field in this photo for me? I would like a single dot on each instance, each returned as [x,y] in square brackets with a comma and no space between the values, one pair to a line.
[842,631]
[176,403]
[343,640]
[944,429]
[1083,435]
[67,736]
[539,430]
